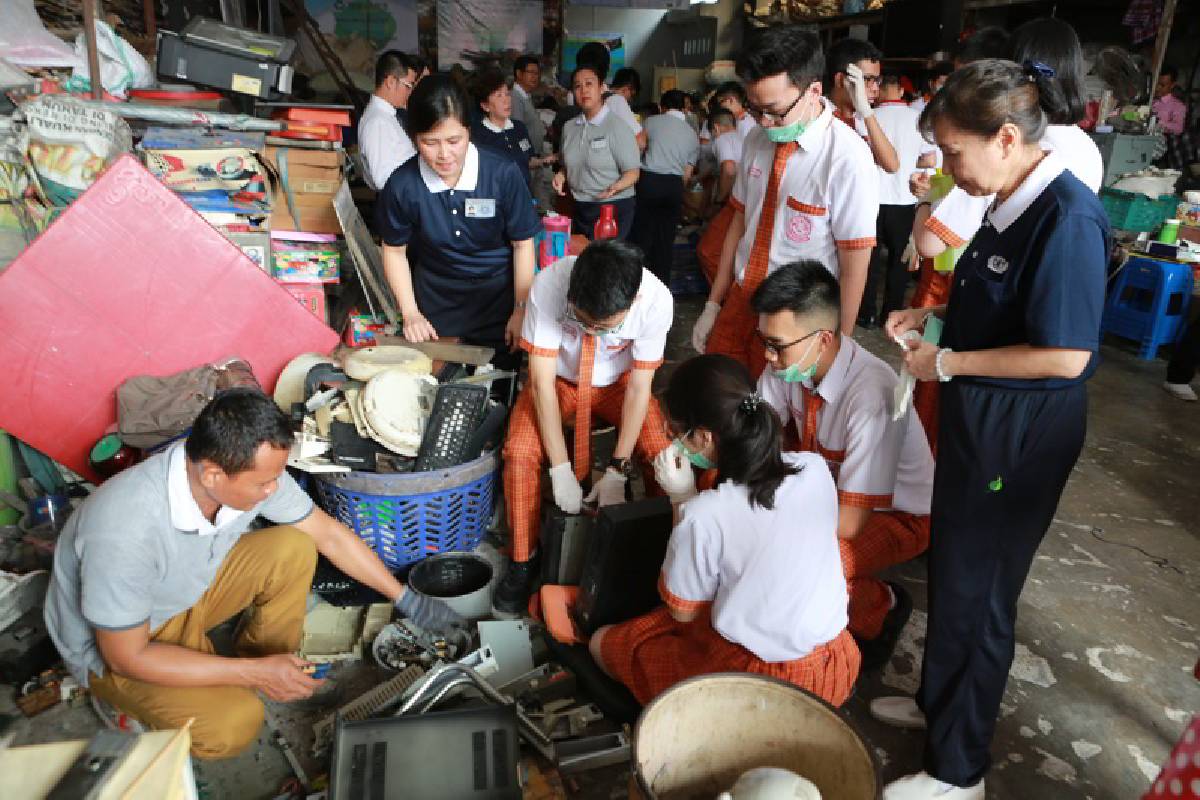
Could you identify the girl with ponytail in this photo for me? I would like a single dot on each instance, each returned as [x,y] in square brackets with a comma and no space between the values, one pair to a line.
[1020,339]
[752,580]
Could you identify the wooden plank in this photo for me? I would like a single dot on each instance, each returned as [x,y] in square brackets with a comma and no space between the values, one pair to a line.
[445,351]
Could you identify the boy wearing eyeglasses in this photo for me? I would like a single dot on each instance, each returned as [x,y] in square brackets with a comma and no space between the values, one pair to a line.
[806,188]
[842,398]
[853,79]
[595,329]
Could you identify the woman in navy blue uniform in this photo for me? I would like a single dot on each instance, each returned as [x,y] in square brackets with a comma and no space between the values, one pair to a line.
[495,128]
[457,224]
[1021,337]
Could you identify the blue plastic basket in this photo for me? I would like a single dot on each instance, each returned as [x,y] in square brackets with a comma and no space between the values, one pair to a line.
[408,516]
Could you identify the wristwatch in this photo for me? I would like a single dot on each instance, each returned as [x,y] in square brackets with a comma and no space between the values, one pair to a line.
[621,465]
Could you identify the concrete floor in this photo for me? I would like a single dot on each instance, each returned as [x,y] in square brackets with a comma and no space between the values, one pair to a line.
[1102,685]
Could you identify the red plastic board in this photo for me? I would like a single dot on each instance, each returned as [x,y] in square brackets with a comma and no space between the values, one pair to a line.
[130,281]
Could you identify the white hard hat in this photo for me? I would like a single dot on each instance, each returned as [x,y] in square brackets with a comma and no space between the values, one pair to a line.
[289,389]
[396,407]
[367,362]
[771,783]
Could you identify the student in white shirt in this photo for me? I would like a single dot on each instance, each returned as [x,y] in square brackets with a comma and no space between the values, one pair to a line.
[937,77]
[806,188]
[841,398]
[727,150]
[595,329]
[752,580]
[852,76]
[731,96]
[381,138]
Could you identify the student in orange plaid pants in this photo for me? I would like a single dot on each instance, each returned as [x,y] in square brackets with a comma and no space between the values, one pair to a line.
[739,595]
[841,398]
[595,330]
[806,187]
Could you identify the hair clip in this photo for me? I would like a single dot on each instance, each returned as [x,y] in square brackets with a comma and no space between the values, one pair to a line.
[750,403]
[1037,69]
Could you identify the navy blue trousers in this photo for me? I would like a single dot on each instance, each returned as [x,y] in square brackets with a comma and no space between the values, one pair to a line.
[1004,457]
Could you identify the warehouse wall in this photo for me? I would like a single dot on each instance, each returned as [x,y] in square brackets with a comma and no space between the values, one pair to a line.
[644,40]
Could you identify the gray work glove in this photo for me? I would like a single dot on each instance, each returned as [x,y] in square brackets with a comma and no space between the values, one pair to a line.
[428,613]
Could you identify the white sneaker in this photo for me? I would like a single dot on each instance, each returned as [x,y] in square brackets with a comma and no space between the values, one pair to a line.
[1181,391]
[924,786]
[899,712]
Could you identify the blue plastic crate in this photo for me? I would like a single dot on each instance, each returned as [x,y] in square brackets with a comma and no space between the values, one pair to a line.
[408,516]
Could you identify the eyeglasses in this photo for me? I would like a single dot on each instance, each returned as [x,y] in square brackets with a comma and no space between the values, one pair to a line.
[775,117]
[592,328]
[776,349]
[872,80]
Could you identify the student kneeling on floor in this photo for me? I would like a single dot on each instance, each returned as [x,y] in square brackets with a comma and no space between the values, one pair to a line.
[841,397]
[160,554]
[752,580]
[595,330]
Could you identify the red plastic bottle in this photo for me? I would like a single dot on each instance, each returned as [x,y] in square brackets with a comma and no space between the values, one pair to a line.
[606,226]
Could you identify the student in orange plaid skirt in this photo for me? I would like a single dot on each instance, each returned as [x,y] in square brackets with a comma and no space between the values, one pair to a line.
[752,580]
[595,330]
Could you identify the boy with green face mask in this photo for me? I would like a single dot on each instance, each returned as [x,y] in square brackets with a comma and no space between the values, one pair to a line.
[840,397]
[806,188]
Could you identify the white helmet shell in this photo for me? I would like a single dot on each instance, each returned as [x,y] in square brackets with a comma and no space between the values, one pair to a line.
[367,362]
[771,783]
[395,409]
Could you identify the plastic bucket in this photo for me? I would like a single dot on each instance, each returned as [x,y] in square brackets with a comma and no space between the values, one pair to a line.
[462,580]
[696,738]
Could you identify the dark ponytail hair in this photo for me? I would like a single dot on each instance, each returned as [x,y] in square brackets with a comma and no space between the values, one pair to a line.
[437,98]
[716,392]
[983,96]
[1054,43]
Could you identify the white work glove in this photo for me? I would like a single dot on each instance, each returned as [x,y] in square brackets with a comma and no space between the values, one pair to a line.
[858,91]
[704,325]
[909,256]
[674,474]
[608,491]
[568,494]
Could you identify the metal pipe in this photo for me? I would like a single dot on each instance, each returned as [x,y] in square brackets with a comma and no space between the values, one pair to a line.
[93,51]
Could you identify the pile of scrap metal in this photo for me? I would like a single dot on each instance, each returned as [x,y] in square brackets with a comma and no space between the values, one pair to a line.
[380,409]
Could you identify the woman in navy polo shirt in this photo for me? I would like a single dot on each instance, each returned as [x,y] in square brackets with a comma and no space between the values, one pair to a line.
[457,225]
[1022,331]
[496,129]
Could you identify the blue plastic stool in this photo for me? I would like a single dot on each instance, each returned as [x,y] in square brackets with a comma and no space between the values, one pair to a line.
[1148,303]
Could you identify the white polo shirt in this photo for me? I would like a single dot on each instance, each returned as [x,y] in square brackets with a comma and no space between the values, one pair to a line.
[746,125]
[828,197]
[638,344]
[728,147]
[773,576]
[957,217]
[619,106]
[382,141]
[878,463]
[899,124]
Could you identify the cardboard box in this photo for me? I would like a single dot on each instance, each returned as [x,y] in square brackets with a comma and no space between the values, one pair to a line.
[314,177]
[319,218]
[303,257]
[309,295]
[256,246]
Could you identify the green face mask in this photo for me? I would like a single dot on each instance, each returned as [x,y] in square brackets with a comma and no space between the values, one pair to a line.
[786,133]
[793,373]
[698,459]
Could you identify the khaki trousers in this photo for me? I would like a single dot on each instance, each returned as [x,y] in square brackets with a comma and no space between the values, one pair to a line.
[267,574]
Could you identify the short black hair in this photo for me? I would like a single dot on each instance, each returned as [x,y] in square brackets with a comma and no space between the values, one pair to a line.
[729,89]
[1170,70]
[525,62]
[393,62]
[790,49]
[1052,42]
[722,116]
[486,83]
[232,427]
[890,78]
[673,98]
[437,98]
[606,278]
[848,51]
[802,287]
[595,55]
[989,42]
[627,76]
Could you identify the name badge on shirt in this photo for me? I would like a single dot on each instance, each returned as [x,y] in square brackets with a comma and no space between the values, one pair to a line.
[480,208]
[525,145]
[600,144]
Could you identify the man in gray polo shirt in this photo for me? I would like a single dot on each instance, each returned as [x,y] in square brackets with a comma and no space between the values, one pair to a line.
[159,555]
[667,167]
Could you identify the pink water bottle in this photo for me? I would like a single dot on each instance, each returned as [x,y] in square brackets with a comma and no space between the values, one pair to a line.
[606,226]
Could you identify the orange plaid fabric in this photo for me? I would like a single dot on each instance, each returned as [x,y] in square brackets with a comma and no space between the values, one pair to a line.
[933,289]
[524,455]
[708,251]
[888,538]
[583,407]
[733,333]
[812,407]
[652,653]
